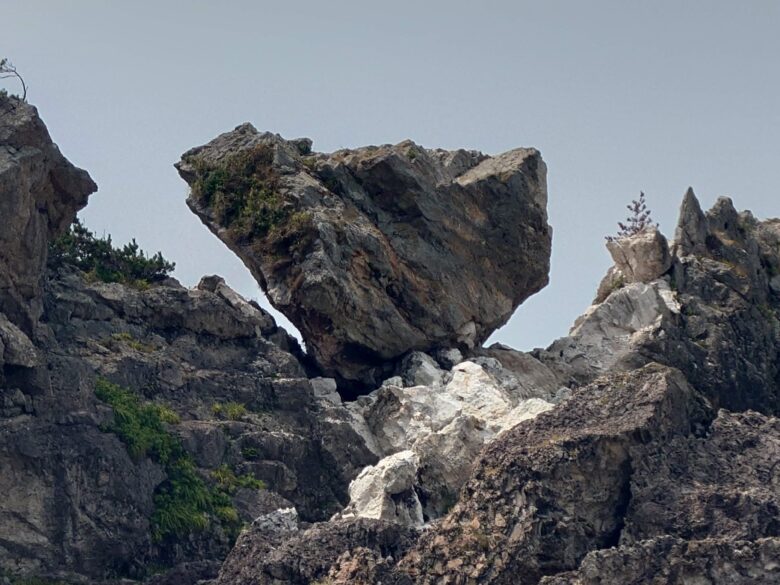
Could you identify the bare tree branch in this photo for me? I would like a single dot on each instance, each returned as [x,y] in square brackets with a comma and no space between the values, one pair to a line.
[7,70]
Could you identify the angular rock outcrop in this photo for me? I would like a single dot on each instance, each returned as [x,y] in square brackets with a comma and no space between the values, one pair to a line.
[552,489]
[435,433]
[671,561]
[40,193]
[359,248]
[76,503]
[272,555]
[714,313]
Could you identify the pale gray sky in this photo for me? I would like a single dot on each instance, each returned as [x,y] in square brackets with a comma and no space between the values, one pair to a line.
[618,95]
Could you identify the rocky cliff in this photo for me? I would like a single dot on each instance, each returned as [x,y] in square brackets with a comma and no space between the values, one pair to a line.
[140,426]
[358,248]
[633,472]
[152,432]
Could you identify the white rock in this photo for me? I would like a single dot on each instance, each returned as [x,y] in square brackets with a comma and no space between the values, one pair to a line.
[441,430]
[420,369]
[607,332]
[385,491]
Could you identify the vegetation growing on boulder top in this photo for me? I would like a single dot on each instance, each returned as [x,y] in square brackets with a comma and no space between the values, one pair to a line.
[639,220]
[98,257]
[241,193]
[183,502]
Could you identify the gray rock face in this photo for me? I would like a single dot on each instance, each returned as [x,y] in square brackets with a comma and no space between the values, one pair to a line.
[359,247]
[642,257]
[263,557]
[556,487]
[76,503]
[714,314]
[671,561]
[40,193]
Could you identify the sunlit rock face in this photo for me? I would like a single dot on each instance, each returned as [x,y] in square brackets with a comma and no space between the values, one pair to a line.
[376,251]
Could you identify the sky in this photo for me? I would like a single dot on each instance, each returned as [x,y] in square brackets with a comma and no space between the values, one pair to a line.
[619,96]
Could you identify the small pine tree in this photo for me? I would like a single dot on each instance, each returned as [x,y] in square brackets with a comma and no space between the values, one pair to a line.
[99,257]
[639,220]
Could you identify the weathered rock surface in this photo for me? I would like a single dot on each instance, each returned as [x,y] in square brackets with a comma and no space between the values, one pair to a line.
[265,556]
[607,458]
[713,314]
[641,258]
[40,193]
[358,248]
[670,561]
[439,430]
[76,503]
[551,490]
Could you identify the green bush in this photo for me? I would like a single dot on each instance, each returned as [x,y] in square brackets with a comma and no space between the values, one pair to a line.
[99,258]
[229,410]
[183,503]
[241,193]
[229,482]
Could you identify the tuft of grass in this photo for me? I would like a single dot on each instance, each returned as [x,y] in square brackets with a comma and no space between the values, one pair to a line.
[229,482]
[130,341]
[250,453]
[243,196]
[183,503]
[229,410]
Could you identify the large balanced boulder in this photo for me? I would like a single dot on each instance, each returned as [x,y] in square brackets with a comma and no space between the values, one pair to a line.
[40,193]
[376,251]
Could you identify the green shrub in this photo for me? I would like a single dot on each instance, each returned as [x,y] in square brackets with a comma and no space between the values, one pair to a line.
[229,410]
[101,261]
[241,193]
[183,503]
[229,482]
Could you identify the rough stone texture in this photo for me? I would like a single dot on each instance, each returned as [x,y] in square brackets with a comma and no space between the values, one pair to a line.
[273,557]
[385,491]
[552,489]
[635,477]
[40,193]
[723,485]
[379,236]
[714,315]
[642,257]
[444,427]
[74,500]
[670,561]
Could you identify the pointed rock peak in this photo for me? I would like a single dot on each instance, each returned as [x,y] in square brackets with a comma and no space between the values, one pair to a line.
[723,216]
[691,232]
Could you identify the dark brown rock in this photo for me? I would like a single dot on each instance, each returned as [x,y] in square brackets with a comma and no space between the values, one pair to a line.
[359,248]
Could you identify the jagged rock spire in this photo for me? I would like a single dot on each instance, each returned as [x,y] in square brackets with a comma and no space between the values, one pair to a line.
[691,233]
